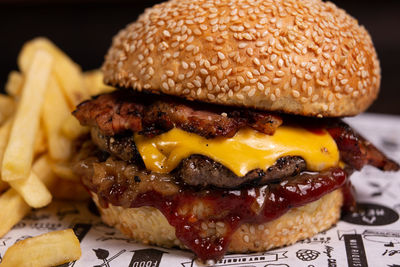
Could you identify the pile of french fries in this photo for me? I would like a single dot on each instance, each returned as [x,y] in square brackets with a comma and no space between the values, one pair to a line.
[37,130]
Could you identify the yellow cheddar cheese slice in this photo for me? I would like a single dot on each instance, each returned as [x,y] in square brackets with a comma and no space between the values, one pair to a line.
[246,151]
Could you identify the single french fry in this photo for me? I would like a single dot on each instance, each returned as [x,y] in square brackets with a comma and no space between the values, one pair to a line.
[14,83]
[94,83]
[67,72]
[63,171]
[18,156]
[55,111]
[32,190]
[72,129]
[13,209]
[7,107]
[4,134]
[42,168]
[40,145]
[50,249]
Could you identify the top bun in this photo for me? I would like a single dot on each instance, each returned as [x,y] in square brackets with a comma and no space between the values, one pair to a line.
[303,57]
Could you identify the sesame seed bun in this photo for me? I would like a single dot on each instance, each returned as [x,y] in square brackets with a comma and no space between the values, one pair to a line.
[149,226]
[304,57]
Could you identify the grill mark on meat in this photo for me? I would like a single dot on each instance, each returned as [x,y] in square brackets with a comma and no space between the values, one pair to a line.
[198,170]
[122,111]
[356,151]
[121,146]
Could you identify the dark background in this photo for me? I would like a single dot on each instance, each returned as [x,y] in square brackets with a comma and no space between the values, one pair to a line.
[83,29]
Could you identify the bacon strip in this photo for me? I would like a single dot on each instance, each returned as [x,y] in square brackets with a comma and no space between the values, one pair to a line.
[356,151]
[123,111]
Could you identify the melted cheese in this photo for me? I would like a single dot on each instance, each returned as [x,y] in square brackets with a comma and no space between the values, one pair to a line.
[246,151]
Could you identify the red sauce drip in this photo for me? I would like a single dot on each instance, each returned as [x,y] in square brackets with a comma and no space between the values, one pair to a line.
[236,207]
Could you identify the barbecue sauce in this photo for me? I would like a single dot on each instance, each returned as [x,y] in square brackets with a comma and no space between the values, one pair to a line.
[235,207]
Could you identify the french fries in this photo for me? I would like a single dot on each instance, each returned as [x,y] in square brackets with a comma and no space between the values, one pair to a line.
[72,129]
[94,83]
[64,171]
[7,107]
[4,134]
[67,72]
[37,131]
[50,249]
[14,84]
[18,156]
[55,112]
[32,190]
[13,209]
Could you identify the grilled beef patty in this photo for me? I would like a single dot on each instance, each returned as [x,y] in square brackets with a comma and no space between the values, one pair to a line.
[198,170]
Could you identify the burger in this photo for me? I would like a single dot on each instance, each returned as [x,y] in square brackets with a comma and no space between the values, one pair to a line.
[225,133]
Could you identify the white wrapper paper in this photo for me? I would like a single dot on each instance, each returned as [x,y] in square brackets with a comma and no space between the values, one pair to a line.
[369,238]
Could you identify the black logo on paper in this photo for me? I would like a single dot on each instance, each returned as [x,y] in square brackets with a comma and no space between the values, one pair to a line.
[371,214]
[355,251]
[146,257]
[246,260]
[103,254]
[307,254]
[387,237]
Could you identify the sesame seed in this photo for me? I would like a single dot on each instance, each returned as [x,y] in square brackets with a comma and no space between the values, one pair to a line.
[252,92]
[166,33]
[171,83]
[165,86]
[295,93]
[189,47]
[221,55]
[280,63]
[256,61]
[204,71]
[197,83]
[276,80]
[240,79]
[246,238]
[260,86]
[270,67]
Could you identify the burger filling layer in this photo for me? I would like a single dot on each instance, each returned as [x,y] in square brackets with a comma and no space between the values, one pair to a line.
[202,165]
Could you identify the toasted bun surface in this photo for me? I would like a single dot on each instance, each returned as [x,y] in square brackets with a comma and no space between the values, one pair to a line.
[149,226]
[303,57]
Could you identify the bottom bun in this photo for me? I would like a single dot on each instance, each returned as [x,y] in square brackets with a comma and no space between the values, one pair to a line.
[149,226]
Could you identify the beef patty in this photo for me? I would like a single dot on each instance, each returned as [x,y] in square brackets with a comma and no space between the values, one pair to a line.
[199,170]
